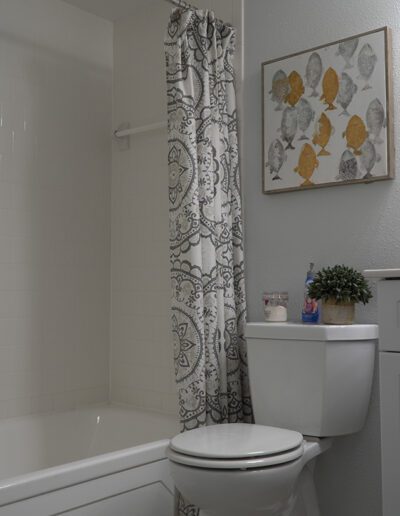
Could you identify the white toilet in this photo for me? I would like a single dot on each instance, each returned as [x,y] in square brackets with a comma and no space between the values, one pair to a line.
[308,383]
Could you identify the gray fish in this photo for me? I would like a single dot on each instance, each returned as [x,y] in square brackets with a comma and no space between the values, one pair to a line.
[347,90]
[369,157]
[276,157]
[375,119]
[280,88]
[346,49]
[313,73]
[305,114]
[366,64]
[348,168]
[289,126]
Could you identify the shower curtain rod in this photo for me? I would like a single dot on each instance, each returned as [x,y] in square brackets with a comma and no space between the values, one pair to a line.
[181,3]
[126,132]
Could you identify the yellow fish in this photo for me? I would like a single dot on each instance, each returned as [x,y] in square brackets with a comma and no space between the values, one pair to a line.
[308,162]
[356,134]
[323,134]
[296,88]
[330,88]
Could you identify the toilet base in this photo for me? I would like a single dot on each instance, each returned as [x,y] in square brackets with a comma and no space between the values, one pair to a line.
[303,502]
[306,494]
[286,490]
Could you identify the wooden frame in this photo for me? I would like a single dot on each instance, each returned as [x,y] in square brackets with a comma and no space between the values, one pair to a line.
[388,105]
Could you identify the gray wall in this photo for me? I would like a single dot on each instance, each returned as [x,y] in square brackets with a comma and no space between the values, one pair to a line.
[357,225]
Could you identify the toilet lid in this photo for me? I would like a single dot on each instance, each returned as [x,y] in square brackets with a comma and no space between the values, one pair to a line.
[236,441]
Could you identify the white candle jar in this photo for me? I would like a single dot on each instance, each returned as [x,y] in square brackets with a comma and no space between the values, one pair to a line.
[275,306]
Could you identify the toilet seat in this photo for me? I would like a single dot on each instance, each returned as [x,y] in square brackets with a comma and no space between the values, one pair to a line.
[236,446]
[259,462]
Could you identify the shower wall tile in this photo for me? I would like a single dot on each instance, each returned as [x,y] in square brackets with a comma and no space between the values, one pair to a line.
[55,168]
[141,344]
[142,372]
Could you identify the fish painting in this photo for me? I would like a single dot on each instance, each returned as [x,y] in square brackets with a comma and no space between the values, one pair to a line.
[347,90]
[305,115]
[346,49]
[330,88]
[280,88]
[276,158]
[348,167]
[366,64]
[376,120]
[369,157]
[313,73]
[307,164]
[289,126]
[355,134]
[322,135]
[296,88]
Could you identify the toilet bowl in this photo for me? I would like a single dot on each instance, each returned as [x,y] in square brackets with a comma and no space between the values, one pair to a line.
[308,384]
[247,470]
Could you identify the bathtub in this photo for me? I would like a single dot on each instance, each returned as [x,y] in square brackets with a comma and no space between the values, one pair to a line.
[103,461]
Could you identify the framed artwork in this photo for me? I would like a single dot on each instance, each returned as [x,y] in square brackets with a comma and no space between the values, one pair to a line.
[327,115]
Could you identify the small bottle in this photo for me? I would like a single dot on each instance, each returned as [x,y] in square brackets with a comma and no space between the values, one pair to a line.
[310,312]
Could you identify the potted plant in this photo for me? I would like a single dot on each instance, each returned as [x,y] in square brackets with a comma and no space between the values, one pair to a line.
[339,287]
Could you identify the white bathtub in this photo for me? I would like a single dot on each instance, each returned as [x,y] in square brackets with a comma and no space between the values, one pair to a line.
[103,461]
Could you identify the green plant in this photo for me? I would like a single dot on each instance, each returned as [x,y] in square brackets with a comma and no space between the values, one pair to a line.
[341,283]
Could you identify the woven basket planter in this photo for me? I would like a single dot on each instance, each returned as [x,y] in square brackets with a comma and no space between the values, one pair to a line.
[337,312]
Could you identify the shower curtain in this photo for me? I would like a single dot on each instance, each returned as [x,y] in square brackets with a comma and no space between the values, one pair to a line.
[206,239]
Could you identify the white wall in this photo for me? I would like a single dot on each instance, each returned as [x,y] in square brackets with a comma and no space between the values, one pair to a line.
[356,225]
[141,350]
[55,123]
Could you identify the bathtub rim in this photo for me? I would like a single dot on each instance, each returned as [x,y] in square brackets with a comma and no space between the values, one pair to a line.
[43,481]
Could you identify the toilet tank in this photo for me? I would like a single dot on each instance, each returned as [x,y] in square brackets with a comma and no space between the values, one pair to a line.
[315,379]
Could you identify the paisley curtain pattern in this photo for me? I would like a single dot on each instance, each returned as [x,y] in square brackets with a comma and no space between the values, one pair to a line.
[206,240]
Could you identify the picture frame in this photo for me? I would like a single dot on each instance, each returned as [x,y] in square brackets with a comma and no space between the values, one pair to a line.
[327,115]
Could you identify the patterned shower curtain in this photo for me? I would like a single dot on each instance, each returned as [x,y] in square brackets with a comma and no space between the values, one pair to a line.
[206,239]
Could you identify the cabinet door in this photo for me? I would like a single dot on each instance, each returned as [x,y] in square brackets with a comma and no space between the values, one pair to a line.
[390,431]
[389,315]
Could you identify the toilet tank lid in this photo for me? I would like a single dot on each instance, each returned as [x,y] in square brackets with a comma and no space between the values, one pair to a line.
[299,331]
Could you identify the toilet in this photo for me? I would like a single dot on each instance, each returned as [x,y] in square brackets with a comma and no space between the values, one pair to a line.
[309,384]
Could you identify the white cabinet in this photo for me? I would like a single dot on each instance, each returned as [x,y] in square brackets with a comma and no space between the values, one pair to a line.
[389,315]
[389,373]
[390,430]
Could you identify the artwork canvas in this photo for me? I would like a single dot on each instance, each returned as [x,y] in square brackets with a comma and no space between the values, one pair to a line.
[327,115]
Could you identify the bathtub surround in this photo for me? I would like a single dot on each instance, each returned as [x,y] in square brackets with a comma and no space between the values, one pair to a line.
[363,233]
[141,358]
[55,121]
[142,372]
[55,72]
[55,137]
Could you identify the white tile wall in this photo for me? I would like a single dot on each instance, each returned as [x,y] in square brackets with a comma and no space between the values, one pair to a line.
[141,351]
[55,121]
[141,348]
[55,111]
